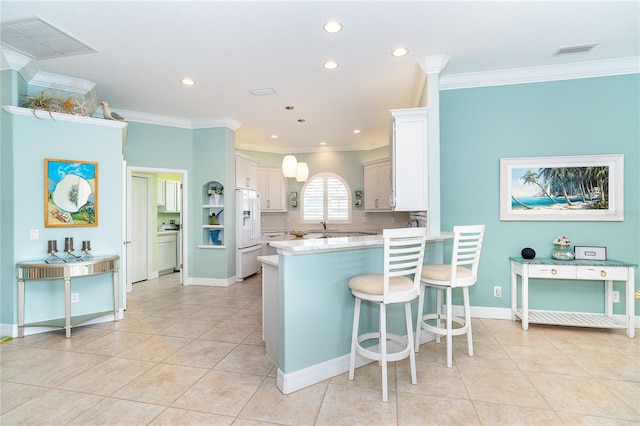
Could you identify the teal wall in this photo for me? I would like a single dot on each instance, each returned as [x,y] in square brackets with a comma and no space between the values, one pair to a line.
[30,141]
[573,117]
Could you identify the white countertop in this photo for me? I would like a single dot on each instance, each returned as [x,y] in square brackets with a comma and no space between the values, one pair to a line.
[305,246]
[271,260]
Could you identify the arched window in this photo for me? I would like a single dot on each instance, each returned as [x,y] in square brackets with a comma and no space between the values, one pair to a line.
[326,197]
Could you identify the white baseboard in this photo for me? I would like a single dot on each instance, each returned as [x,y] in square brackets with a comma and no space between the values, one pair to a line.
[297,380]
[211,282]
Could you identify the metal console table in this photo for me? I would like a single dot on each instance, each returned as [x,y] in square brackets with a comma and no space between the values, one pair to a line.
[36,270]
[546,268]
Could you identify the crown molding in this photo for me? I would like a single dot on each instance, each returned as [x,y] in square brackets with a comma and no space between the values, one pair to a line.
[621,66]
[434,64]
[59,116]
[61,82]
[206,123]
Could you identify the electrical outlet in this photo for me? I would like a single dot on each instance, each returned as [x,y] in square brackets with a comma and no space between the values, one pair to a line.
[615,296]
[75,297]
[33,234]
[497,291]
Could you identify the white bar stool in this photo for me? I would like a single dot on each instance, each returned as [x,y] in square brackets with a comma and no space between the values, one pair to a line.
[462,272]
[403,257]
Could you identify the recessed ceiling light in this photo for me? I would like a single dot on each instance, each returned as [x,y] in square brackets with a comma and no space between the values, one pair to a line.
[274,136]
[400,51]
[356,131]
[332,27]
[323,143]
[188,82]
[330,65]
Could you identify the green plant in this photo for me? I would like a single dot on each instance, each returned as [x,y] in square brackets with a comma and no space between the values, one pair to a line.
[42,101]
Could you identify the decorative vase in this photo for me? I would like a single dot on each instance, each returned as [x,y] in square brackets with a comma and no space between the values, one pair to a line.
[216,199]
[562,252]
[215,237]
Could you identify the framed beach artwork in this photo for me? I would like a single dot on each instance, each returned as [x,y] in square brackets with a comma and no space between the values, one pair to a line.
[70,193]
[577,188]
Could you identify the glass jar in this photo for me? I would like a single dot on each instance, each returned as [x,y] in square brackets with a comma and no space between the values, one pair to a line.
[562,252]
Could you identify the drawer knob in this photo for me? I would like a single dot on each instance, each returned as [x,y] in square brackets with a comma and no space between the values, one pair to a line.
[554,272]
[603,273]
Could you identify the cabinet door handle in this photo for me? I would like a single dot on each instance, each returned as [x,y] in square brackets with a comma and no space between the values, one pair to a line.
[554,272]
[376,202]
[603,273]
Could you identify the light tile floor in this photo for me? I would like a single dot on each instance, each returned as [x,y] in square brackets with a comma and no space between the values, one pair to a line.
[194,355]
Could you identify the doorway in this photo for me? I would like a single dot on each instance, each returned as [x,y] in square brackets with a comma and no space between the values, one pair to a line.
[142,227]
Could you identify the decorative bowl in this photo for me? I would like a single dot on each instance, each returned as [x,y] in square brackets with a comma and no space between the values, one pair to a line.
[299,234]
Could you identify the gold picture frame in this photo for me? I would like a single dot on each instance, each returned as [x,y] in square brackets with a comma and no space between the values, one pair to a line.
[70,193]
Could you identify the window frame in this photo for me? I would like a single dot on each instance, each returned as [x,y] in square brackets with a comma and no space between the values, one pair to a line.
[325,175]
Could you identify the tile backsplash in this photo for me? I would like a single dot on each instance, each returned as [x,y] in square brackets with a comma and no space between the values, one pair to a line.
[360,221]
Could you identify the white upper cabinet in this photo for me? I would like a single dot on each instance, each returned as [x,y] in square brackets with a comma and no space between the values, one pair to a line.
[172,196]
[246,172]
[409,159]
[272,188]
[169,195]
[377,185]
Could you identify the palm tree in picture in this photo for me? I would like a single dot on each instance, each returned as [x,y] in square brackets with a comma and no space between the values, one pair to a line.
[532,178]
[558,177]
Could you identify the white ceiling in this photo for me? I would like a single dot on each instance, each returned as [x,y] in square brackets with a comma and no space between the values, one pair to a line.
[231,47]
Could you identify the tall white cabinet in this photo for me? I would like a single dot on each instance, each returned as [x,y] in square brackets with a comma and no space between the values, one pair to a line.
[409,159]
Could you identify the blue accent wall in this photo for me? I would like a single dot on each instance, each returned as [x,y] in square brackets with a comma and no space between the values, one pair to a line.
[564,118]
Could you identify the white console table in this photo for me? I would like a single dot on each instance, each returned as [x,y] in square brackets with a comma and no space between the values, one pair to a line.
[26,271]
[546,268]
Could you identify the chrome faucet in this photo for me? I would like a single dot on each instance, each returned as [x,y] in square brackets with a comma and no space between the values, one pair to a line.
[324,225]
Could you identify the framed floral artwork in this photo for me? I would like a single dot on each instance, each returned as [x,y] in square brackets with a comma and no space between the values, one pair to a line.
[574,188]
[70,193]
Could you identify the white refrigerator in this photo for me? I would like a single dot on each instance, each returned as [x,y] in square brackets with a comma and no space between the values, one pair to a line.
[248,229]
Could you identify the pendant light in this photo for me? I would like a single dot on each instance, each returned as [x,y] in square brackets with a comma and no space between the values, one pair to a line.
[289,166]
[302,173]
[302,170]
[289,162]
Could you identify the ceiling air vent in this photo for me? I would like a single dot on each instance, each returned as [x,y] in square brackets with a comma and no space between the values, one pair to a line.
[38,39]
[570,50]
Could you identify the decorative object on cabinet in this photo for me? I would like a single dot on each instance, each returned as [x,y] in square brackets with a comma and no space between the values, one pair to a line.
[562,249]
[577,188]
[590,253]
[215,194]
[71,196]
[52,249]
[212,215]
[528,253]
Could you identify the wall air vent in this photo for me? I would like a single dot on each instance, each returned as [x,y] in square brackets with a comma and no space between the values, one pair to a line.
[262,92]
[38,39]
[570,50]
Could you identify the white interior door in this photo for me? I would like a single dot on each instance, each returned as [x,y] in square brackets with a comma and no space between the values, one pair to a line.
[139,213]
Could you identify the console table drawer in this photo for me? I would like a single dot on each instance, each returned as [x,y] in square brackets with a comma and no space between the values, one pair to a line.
[553,271]
[602,273]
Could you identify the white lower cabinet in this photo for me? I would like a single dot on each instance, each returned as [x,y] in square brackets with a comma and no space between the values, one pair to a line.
[167,252]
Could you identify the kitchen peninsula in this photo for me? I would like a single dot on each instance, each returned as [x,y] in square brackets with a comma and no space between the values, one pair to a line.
[315,307]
